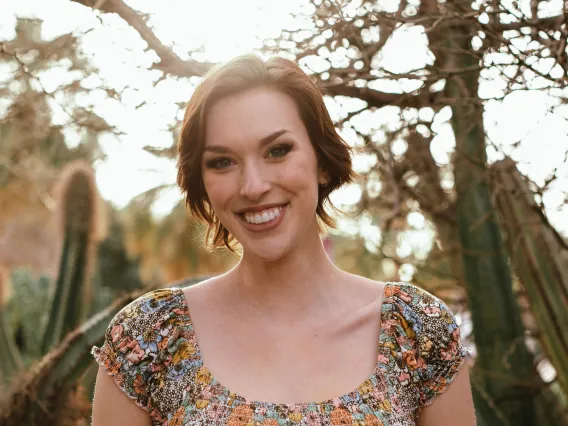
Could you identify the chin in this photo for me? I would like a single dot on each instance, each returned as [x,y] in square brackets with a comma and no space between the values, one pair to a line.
[269,251]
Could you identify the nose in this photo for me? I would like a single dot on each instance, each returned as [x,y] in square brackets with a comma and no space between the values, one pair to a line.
[253,182]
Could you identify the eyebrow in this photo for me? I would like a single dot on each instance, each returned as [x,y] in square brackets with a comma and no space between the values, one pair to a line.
[221,149]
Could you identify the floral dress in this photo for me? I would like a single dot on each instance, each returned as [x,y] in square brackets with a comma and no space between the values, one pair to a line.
[151,350]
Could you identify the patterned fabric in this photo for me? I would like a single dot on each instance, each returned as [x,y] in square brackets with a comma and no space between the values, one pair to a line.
[151,350]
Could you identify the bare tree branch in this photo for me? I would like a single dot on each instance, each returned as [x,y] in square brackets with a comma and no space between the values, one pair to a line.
[377,99]
[170,63]
[551,23]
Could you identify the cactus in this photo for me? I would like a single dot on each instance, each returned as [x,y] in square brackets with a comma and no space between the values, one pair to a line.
[72,297]
[26,310]
[539,257]
[71,300]
[57,371]
[36,398]
[498,329]
[9,356]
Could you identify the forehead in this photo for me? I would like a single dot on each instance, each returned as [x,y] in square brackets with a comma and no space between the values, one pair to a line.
[251,115]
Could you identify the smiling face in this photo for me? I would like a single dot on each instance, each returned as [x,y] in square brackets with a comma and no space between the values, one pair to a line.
[260,172]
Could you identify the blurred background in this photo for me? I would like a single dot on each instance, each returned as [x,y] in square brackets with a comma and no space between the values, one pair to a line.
[458,111]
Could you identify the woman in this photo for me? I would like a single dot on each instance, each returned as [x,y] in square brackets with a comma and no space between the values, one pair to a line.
[285,337]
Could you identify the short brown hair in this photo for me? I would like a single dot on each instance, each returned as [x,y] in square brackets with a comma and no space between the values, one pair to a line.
[241,74]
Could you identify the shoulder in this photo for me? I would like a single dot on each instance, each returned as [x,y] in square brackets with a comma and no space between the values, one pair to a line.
[136,344]
[153,304]
[429,337]
[429,325]
[136,331]
[417,304]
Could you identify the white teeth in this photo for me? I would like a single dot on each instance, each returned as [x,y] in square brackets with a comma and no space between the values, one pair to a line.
[263,216]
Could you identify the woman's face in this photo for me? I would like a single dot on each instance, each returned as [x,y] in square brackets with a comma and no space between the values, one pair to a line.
[260,172]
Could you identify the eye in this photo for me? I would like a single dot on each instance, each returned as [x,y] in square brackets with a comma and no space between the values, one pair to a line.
[219,163]
[279,151]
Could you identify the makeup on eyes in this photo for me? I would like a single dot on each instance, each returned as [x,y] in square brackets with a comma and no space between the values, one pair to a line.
[285,147]
[221,163]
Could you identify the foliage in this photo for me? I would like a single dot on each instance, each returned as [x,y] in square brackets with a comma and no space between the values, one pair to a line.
[117,271]
[169,248]
[25,312]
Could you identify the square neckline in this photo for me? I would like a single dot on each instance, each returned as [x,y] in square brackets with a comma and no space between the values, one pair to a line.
[244,400]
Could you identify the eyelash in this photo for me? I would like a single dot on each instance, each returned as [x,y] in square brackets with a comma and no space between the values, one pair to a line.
[214,163]
[286,147]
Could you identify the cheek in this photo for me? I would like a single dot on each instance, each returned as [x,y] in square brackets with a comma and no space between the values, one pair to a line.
[218,190]
[309,169]
[300,177]
[299,180]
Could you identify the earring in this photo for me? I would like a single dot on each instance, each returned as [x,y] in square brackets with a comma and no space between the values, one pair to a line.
[324,184]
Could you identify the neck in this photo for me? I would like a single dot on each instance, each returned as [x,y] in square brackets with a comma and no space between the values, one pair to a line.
[295,286]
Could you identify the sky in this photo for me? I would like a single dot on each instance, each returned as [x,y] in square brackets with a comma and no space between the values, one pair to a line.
[117,51]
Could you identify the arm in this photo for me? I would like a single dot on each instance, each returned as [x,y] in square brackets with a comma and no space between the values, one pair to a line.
[112,407]
[453,406]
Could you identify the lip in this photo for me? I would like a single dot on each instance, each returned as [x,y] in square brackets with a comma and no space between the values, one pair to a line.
[259,227]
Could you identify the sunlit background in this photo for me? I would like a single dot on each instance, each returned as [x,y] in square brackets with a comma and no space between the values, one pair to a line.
[149,110]
[126,112]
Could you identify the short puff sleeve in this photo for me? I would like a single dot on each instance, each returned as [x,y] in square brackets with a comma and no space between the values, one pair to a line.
[439,350]
[431,331]
[132,342]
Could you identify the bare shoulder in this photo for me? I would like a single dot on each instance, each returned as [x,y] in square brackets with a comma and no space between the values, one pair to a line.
[364,288]
[201,291]
[207,299]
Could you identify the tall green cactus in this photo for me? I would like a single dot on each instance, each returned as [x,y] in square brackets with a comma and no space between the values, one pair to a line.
[503,363]
[77,201]
[72,296]
[539,257]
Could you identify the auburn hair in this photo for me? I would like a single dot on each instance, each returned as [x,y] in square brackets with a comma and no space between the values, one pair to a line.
[236,76]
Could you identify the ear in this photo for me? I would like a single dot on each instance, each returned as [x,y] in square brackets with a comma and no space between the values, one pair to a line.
[323,177]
